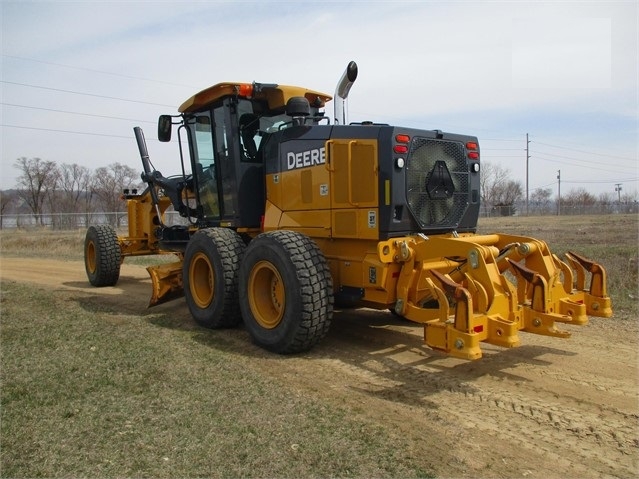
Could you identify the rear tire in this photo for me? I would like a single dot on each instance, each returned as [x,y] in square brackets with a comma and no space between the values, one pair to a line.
[287,292]
[209,276]
[102,255]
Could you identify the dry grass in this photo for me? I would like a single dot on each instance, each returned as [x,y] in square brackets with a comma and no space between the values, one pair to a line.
[89,391]
[32,242]
[64,245]
[612,240]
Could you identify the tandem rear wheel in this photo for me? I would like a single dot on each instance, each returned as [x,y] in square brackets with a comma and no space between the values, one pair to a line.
[280,285]
[287,292]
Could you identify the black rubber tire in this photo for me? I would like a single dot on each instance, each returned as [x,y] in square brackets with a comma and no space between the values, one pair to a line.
[287,292]
[102,255]
[210,277]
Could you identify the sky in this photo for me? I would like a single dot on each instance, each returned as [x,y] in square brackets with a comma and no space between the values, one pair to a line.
[77,76]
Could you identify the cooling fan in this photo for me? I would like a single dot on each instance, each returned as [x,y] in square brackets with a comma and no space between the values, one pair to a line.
[437,182]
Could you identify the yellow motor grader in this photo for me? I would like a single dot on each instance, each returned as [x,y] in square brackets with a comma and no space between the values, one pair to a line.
[287,212]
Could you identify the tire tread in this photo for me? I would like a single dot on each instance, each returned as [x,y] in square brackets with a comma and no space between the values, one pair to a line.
[108,255]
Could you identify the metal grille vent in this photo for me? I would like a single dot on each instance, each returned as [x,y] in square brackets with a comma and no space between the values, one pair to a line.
[437,182]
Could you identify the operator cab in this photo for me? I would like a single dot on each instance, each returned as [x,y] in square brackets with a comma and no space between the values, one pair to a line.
[225,128]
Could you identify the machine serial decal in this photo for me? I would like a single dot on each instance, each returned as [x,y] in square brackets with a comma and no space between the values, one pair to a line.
[372,219]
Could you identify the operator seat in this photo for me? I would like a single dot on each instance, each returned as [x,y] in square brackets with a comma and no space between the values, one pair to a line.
[249,126]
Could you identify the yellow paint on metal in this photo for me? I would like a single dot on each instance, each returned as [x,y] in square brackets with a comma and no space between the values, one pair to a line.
[201,280]
[266,294]
[166,280]
[91,260]
[276,96]
[387,193]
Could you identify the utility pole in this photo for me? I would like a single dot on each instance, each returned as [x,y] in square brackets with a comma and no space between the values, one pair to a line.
[527,161]
[618,190]
[559,192]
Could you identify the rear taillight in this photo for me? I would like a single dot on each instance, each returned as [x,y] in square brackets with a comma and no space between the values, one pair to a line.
[473,150]
[402,147]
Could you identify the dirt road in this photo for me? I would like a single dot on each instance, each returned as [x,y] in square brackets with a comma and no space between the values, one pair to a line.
[550,408]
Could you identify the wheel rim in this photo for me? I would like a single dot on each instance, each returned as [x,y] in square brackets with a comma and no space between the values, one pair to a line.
[267,296]
[89,254]
[201,280]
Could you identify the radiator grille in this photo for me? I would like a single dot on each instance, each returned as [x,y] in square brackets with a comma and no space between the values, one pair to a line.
[437,182]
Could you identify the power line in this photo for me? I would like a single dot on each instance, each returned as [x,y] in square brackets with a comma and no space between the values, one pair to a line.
[85,94]
[503,149]
[76,113]
[501,139]
[130,77]
[584,151]
[544,186]
[554,160]
[575,159]
[69,131]
[613,181]
[630,180]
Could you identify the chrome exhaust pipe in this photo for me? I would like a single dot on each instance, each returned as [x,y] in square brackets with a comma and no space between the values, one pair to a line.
[341,93]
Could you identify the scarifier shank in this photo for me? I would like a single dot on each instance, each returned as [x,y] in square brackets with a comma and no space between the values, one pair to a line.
[500,285]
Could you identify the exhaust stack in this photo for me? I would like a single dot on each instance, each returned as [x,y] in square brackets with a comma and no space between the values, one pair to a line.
[341,93]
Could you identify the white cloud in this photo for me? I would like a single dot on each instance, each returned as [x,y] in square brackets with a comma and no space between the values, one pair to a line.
[562,53]
[493,68]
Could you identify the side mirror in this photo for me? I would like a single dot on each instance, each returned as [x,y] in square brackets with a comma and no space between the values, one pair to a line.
[164,128]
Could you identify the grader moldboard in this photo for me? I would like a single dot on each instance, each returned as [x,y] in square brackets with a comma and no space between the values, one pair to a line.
[287,212]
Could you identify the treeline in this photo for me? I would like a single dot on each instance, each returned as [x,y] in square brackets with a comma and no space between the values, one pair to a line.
[502,196]
[44,187]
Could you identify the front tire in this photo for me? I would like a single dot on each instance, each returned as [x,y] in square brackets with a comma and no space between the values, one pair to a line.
[211,263]
[288,291]
[102,255]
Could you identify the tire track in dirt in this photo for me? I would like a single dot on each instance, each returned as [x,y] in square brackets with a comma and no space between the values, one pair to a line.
[492,400]
[550,408]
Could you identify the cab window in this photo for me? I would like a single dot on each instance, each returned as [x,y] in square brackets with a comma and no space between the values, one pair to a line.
[204,165]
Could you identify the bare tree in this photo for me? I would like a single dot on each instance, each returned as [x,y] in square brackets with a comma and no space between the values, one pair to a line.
[606,202]
[506,195]
[74,183]
[491,177]
[577,200]
[37,180]
[6,201]
[74,186]
[108,183]
[498,190]
[629,197]
[541,199]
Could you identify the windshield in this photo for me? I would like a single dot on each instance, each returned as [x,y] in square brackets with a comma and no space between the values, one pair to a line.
[255,121]
[204,162]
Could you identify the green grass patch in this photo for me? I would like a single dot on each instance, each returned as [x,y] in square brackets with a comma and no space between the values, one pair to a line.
[87,391]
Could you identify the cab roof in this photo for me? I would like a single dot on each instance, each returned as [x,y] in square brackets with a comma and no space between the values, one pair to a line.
[276,96]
